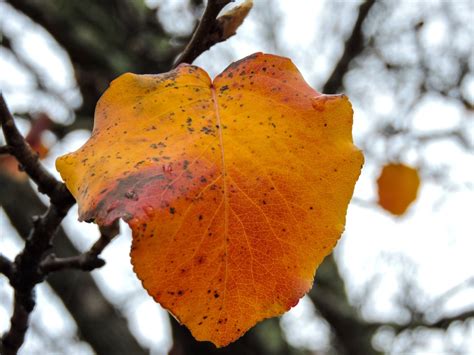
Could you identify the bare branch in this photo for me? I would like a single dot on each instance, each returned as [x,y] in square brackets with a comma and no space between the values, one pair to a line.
[451,134]
[442,323]
[6,267]
[105,329]
[206,33]
[27,274]
[5,149]
[445,322]
[29,160]
[352,48]
[87,261]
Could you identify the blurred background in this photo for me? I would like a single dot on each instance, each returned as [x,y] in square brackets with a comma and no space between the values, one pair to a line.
[395,285]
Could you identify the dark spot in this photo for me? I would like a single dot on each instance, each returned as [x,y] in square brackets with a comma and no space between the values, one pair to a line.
[132,195]
[224,88]
[172,210]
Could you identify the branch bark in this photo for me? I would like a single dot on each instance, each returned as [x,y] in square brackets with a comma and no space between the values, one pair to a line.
[6,267]
[87,261]
[98,321]
[26,275]
[206,33]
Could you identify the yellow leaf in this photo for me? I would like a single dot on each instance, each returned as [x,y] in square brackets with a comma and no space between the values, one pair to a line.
[397,187]
[235,189]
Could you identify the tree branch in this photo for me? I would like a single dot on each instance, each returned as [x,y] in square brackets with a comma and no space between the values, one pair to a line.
[5,149]
[28,158]
[6,267]
[27,274]
[352,48]
[206,33]
[445,322]
[87,261]
[442,323]
[98,321]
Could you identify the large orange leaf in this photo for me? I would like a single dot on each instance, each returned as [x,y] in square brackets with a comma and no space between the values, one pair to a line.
[397,187]
[235,189]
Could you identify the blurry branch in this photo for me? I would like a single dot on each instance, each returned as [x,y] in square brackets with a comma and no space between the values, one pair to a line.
[456,134]
[445,296]
[445,322]
[420,318]
[29,161]
[5,149]
[212,29]
[6,267]
[442,323]
[460,135]
[353,335]
[87,261]
[353,46]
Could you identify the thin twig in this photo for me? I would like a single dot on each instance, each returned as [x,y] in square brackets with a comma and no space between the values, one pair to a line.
[87,261]
[6,267]
[442,323]
[445,322]
[206,33]
[29,160]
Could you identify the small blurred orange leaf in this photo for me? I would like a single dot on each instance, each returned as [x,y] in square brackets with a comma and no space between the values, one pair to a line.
[10,166]
[235,189]
[397,187]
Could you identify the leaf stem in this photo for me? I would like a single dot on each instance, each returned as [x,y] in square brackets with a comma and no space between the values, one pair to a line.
[206,33]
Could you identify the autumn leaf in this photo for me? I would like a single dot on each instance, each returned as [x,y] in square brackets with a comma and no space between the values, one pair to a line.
[397,187]
[235,189]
